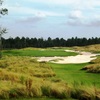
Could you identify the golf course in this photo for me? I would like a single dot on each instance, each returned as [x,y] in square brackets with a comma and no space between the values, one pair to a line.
[50,50]
[24,77]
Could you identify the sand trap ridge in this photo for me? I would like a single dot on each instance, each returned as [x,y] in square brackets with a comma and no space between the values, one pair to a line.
[83,57]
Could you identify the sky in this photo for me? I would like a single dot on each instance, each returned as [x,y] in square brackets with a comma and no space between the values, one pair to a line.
[51,18]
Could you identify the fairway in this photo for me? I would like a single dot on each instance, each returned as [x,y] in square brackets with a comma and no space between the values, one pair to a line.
[71,73]
[39,52]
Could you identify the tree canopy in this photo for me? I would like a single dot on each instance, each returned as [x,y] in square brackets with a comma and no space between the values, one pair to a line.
[17,42]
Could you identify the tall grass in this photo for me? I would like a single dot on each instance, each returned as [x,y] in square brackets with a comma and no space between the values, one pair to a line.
[17,75]
[24,77]
[91,48]
[82,92]
[94,66]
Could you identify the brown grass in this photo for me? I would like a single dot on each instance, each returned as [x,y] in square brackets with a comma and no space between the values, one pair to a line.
[90,48]
[25,77]
[94,66]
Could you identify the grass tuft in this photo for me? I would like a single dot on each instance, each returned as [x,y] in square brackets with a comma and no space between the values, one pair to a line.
[93,67]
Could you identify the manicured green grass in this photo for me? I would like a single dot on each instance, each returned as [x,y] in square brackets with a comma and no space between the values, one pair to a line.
[72,73]
[39,52]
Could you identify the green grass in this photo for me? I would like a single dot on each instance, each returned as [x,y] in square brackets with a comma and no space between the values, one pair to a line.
[38,52]
[72,73]
[25,77]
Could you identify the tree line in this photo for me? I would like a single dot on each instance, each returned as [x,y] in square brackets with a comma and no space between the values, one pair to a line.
[17,42]
[3,11]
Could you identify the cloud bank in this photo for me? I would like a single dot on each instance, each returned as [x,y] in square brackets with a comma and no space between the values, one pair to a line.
[53,16]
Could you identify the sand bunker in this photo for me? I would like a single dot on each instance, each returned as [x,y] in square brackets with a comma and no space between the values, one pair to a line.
[83,57]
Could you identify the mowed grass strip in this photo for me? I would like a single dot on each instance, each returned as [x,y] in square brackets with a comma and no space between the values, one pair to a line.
[39,52]
[72,73]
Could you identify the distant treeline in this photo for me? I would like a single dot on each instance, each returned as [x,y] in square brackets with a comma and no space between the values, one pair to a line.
[23,42]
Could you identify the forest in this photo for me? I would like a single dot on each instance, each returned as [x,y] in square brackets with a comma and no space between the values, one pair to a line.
[23,42]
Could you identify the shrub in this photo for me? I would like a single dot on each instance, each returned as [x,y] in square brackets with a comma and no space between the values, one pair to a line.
[93,68]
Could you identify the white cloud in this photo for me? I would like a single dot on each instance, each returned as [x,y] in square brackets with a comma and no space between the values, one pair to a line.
[97,16]
[40,13]
[95,21]
[87,23]
[22,10]
[30,20]
[84,18]
[75,4]
[76,18]
[76,14]
[80,12]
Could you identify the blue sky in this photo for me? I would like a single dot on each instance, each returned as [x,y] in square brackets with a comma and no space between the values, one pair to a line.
[52,18]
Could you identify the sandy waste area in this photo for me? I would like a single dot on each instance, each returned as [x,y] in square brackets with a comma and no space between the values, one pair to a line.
[82,57]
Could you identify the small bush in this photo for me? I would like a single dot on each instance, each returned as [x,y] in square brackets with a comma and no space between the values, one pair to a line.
[93,68]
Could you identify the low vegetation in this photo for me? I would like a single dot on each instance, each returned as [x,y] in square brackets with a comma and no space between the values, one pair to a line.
[91,48]
[25,77]
[94,66]
[21,76]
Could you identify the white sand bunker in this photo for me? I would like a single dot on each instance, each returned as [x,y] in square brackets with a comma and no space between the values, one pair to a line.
[83,57]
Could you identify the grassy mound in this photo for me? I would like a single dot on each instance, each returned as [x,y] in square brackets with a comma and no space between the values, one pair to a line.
[25,77]
[26,65]
[94,66]
[90,48]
